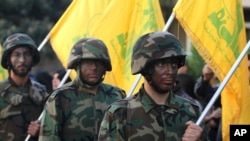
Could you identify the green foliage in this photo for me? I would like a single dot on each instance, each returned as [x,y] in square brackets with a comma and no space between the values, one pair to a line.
[34,17]
[195,63]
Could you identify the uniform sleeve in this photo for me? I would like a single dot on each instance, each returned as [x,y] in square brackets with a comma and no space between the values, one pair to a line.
[110,129]
[50,123]
[114,122]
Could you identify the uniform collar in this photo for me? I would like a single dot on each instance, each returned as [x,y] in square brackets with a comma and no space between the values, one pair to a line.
[148,103]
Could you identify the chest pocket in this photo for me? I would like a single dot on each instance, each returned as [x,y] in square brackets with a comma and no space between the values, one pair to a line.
[13,104]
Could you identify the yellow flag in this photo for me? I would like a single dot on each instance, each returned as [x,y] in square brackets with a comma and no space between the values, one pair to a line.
[217,30]
[117,22]
[3,71]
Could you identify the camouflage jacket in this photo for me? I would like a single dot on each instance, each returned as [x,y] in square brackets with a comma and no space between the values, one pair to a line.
[18,107]
[72,114]
[141,119]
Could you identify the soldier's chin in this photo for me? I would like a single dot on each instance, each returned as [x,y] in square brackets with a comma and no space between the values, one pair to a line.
[95,83]
[21,73]
[162,90]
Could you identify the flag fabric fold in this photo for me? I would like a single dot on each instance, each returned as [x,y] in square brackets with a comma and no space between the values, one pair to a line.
[117,22]
[217,30]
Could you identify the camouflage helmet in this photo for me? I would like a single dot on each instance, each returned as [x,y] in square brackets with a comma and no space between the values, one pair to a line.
[89,48]
[154,46]
[16,40]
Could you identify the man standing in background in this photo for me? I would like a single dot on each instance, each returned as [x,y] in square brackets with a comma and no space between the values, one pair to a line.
[21,99]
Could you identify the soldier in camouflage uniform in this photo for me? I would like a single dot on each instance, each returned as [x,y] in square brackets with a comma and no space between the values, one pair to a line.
[22,99]
[74,111]
[155,113]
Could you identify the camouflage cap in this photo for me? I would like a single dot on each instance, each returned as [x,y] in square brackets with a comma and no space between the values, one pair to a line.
[154,46]
[17,40]
[89,48]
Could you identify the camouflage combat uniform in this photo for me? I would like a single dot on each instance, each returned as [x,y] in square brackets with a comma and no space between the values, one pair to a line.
[73,113]
[18,107]
[141,119]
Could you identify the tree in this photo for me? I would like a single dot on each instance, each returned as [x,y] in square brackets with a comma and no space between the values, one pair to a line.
[34,17]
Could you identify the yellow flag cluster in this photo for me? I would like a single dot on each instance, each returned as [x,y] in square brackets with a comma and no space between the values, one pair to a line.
[117,22]
[217,30]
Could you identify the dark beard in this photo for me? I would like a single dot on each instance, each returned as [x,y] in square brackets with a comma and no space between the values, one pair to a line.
[21,74]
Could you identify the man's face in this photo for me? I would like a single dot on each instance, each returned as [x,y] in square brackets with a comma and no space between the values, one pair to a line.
[92,71]
[164,75]
[55,81]
[21,60]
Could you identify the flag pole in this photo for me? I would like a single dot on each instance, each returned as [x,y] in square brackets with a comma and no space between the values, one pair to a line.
[65,78]
[169,22]
[61,83]
[45,40]
[166,27]
[223,83]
